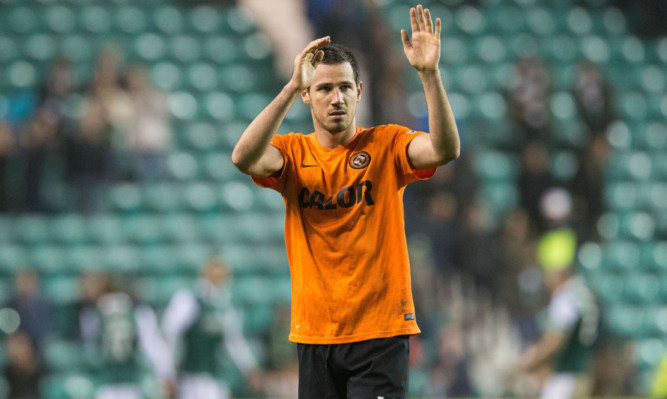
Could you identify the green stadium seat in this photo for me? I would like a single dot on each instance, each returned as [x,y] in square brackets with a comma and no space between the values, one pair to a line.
[83,258]
[12,258]
[608,286]
[633,106]
[657,192]
[163,197]
[220,107]
[94,19]
[180,228]
[622,256]
[218,167]
[625,320]
[202,136]
[150,47]
[68,385]
[653,79]
[564,165]
[654,256]
[500,196]
[495,166]
[6,229]
[62,289]
[204,19]
[121,259]
[168,19]
[632,51]
[472,80]
[39,47]
[31,229]
[183,105]
[659,162]
[270,200]
[125,198]
[184,48]
[130,19]
[201,197]
[257,318]
[144,229]
[77,48]
[59,19]
[239,20]
[635,165]
[237,78]
[469,19]
[579,21]
[621,196]
[221,50]
[22,20]
[257,47]
[653,137]
[105,229]
[49,259]
[506,19]
[638,226]
[62,355]
[202,76]
[649,352]
[642,289]
[191,257]
[455,51]
[9,51]
[215,229]
[69,229]
[590,258]
[614,21]
[167,76]
[157,259]
[237,196]
[183,166]
[21,74]
[541,21]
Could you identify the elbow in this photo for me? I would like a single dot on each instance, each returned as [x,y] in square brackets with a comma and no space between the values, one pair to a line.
[239,161]
[450,155]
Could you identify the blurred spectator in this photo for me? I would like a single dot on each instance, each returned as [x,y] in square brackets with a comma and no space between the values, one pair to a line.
[588,187]
[475,244]
[107,92]
[55,95]
[6,152]
[449,376]
[34,310]
[197,325]
[529,102]
[38,141]
[149,129]
[595,98]
[23,371]
[92,286]
[91,155]
[571,327]
[534,180]
[119,327]
[444,231]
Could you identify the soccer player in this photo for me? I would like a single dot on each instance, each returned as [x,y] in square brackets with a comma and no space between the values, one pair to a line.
[117,332]
[572,322]
[352,307]
[196,325]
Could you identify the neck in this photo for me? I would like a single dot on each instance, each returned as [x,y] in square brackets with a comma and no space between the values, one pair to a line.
[333,140]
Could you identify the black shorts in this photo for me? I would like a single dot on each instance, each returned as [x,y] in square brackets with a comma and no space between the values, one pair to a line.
[373,369]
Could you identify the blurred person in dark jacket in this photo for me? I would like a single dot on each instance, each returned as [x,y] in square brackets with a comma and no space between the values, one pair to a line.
[23,371]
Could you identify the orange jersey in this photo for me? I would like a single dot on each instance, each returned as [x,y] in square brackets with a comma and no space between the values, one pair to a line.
[345,235]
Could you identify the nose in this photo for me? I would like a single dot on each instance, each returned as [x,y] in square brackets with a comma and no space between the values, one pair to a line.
[337,97]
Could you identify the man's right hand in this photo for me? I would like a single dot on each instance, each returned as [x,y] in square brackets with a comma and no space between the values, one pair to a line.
[306,62]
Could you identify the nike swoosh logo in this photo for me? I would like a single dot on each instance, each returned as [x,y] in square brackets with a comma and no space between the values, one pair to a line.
[309,166]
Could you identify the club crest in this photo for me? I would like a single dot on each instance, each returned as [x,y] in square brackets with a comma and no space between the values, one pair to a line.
[359,160]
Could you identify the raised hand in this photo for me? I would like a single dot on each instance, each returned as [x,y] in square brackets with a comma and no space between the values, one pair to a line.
[306,62]
[423,52]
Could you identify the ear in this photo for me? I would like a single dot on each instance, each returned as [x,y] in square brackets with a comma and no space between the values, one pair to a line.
[305,96]
[360,87]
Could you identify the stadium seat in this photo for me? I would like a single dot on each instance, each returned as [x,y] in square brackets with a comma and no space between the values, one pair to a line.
[184,48]
[183,105]
[125,198]
[22,20]
[180,228]
[12,257]
[621,196]
[201,76]
[642,289]
[105,229]
[590,257]
[69,229]
[67,385]
[62,289]
[94,19]
[143,229]
[649,352]
[183,166]
[625,320]
[204,20]
[221,49]
[219,168]
[149,47]
[168,19]
[129,19]
[496,166]
[78,49]
[163,197]
[201,197]
[167,76]
[608,286]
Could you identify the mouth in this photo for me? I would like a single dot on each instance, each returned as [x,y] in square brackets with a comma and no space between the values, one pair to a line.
[337,114]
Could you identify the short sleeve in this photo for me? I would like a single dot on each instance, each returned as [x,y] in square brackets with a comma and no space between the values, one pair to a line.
[563,314]
[277,180]
[402,139]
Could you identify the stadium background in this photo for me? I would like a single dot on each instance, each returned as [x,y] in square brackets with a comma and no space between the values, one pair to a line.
[217,65]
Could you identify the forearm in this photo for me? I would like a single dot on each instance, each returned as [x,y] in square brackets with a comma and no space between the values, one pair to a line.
[257,136]
[441,122]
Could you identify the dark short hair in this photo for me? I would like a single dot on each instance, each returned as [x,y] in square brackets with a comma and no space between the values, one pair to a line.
[335,53]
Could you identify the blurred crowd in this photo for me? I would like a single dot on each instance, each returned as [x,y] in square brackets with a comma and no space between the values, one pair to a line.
[65,140]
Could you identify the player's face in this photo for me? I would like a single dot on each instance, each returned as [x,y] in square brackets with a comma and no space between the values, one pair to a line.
[333,97]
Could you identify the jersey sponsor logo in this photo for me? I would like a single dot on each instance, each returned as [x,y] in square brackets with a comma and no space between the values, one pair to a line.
[345,198]
[359,160]
[409,316]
